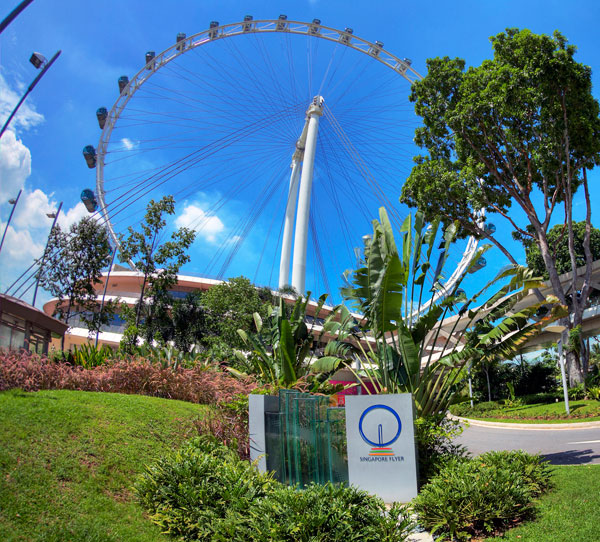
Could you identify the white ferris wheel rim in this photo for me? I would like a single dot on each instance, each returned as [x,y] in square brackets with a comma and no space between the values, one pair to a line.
[402,66]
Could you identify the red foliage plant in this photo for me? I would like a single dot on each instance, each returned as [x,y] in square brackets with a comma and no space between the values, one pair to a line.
[31,372]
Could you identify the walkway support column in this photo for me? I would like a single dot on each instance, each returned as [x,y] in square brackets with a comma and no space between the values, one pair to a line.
[301,235]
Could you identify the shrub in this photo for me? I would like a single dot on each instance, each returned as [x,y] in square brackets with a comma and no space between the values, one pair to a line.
[593,393]
[482,495]
[228,423]
[201,490]
[478,409]
[533,468]
[326,513]
[203,385]
[204,492]
[86,355]
[435,436]
[542,398]
[576,392]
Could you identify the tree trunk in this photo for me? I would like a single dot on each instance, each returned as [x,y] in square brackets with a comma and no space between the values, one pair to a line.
[573,368]
[487,378]
[139,309]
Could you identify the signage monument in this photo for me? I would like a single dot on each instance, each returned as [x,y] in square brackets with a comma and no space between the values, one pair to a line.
[381,445]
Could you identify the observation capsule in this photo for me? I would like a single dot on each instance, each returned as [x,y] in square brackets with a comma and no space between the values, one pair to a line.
[281,22]
[180,40]
[247,23]
[314,27]
[374,50]
[89,200]
[345,37]
[101,115]
[123,82]
[89,153]
[214,29]
[479,264]
[150,59]
[489,228]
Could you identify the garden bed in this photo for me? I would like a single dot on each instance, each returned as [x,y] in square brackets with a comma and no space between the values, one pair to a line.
[581,411]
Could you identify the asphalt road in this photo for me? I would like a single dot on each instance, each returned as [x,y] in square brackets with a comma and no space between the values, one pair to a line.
[572,446]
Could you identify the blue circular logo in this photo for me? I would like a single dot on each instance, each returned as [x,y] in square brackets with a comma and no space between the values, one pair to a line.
[380,436]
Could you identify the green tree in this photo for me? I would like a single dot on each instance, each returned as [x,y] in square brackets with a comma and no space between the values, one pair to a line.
[73,269]
[158,263]
[189,321]
[230,306]
[519,130]
[420,346]
[558,241]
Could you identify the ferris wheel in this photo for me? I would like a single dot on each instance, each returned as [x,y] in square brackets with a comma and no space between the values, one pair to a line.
[279,138]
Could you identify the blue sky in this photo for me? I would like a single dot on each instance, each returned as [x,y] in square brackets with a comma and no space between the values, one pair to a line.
[42,154]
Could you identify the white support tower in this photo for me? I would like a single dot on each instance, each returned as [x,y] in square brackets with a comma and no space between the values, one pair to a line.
[288,225]
[305,153]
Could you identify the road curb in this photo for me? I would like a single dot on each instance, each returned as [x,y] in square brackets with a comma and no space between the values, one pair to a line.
[529,426]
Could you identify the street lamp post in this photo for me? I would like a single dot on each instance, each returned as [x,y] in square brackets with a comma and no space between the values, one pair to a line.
[38,61]
[563,373]
[559,328]
[13,202]
[11,16]
[39,275]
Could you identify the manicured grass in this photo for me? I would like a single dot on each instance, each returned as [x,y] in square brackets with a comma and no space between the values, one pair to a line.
[569,513]
[68,461]
[581,411]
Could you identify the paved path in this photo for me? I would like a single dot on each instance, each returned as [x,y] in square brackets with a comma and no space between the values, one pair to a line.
[573,445]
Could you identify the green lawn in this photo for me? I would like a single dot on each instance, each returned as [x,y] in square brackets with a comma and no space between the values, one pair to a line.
[68,460]
[569,513]
[581,411]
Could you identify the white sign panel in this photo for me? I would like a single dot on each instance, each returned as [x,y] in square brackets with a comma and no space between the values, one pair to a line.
[381,445]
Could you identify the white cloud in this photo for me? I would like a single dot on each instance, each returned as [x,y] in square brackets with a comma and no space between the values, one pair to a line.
[233,240]
[129,144]
[195,218]
[27,117]
[19,246]
[27,234]
[71,216]
[15,165]
[32,208]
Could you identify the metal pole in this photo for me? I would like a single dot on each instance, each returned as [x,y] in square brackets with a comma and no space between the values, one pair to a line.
[470,385]
[288,228]
[29,89]
[9,18]
[561,358]
[301,234]
[37,282]
[112,261]
[14,205]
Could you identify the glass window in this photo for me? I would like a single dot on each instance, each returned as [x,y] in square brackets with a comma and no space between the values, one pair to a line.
[5,333]
[17,339]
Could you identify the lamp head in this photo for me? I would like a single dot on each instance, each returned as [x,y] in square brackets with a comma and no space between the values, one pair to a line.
[38,60]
